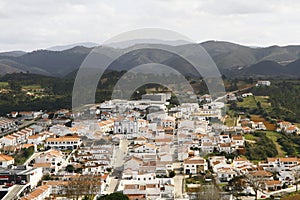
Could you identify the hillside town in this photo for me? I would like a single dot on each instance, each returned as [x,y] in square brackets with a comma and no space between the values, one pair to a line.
[145,149]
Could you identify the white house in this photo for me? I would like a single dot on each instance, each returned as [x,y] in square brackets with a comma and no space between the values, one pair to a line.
[145,148]
[263,83]
[40,193]
[6,160]
[249,94]
[225,147]
[53,157]
[36,139]
[65,142]
[237,140]
[133,163]
[194,165]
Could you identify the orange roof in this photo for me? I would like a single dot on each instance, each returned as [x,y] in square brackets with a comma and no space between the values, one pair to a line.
[261,173]
[163,140]
[289,159]
[25,146]
[65,138]
[42,165]
[207,144]
[285,123]
[36,193]
[273,182]
[271,159]
[225,145]
[237,137]
[194,160]
[292,128]
[55,183]
[140,139]
[130,186]
[240,159]
[4,157]
[34,136]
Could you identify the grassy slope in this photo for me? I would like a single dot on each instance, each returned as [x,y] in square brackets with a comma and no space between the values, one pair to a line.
[274,136]
[249,102]
[3,84]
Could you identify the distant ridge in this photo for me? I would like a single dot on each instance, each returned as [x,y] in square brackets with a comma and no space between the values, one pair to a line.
[13,53]
[69,46]
[232,59]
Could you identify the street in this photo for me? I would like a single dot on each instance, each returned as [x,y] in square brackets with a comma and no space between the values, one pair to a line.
[178,183]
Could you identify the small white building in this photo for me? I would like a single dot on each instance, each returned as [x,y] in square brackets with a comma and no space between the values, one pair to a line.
[6,160]
[65,142]
[263,83]
[194,165]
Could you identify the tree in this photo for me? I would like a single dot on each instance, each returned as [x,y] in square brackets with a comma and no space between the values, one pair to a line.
[70,168]
[114,196]
[296,174]
[15,86]
[236,185]
[209,192]
[256,182]
[172,174]
[87,186]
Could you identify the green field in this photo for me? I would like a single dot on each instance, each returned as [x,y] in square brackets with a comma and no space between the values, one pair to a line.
[248,102]
[264,102]
[3,84]
[31,87]
[251,102]
[250,137]
[230,119]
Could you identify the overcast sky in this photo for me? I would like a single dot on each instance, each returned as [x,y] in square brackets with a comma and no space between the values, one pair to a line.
[35,24]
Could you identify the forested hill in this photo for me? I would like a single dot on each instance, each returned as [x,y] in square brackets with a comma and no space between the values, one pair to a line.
[233,60]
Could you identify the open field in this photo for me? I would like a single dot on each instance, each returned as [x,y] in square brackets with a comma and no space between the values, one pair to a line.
[31,87]
[251,102]
[248,102]
[3,84]
[230,119]
[264,102]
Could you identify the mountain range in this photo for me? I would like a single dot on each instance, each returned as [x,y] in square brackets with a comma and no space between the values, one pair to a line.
[232,59]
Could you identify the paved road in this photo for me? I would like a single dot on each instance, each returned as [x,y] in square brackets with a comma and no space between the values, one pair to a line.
[233,92]
[178,183]
[14,192]
[120,153]
[112,186]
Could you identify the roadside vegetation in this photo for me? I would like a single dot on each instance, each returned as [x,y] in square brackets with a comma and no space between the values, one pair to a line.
[23,155]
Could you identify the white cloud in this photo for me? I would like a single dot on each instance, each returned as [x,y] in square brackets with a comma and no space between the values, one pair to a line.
[39,24]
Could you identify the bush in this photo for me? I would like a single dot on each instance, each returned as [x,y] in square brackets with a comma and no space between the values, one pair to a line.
[114,196]
[70,168]
[23,155]
[172,174]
